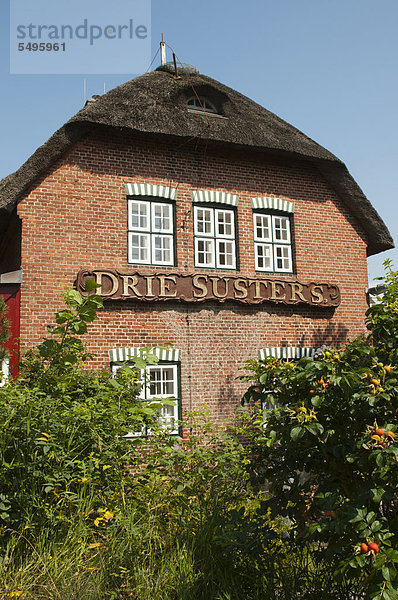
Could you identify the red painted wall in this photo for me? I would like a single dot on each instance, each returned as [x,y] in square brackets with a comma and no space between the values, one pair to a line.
[11,294]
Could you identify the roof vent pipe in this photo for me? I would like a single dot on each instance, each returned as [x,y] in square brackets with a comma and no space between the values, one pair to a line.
[162,52]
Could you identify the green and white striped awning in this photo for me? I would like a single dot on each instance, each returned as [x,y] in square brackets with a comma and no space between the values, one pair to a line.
[148,189]
[125,354]
[273,204]
[286,352]
[213,196]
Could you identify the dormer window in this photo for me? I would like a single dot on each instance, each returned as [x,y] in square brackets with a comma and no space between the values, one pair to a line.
[201,104]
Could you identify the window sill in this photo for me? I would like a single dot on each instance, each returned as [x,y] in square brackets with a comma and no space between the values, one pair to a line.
[204,113]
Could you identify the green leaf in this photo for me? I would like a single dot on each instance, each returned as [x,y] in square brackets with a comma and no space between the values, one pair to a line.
[139,362]
[388,572]
[380,459]
[376,494]
[316,401]
[95,302]
[79,327]
[314,428]
[90,285]
[87,314]
[168,402]
[389,594]
[73,296]
[48,348]
[357,515]
[63,316]
[297,433]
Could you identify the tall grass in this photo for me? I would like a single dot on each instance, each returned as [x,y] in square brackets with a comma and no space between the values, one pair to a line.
[176,533]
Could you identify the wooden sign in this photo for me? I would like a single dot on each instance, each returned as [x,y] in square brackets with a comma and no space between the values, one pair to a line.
[200,287]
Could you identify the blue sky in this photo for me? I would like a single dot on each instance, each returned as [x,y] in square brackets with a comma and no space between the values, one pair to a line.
[327,67]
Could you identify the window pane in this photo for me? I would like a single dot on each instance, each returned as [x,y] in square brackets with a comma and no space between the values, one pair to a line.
[138,247]
[139,215]
[281,229]
[264,257]
[168,381]
[194,103]
[155,382]
[162,249]
[169,418]
[225,254]
[205,252]
[283,261]
[225,223]
[204,220]
[162,381]
[161,217]
[262,227]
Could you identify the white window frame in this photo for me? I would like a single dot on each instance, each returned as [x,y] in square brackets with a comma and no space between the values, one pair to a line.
[213,238]
[5,371]
[169,414]
[271,244]
[149,234]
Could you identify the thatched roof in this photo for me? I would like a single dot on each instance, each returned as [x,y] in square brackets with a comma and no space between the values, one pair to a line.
[156,103]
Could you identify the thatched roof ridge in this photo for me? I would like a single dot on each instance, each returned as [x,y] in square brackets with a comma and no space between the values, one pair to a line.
[156,103]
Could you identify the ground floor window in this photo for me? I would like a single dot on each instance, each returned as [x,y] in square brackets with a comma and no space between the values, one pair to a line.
[285,353]
[160,382]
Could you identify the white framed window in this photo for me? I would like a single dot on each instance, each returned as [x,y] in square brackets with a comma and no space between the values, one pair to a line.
[272,242]
[160,383]
[150,232]
[214,231]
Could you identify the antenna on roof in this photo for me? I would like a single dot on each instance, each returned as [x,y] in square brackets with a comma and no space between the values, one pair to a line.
[162,52]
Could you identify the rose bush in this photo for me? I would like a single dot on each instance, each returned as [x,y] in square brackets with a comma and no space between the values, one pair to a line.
[326,446]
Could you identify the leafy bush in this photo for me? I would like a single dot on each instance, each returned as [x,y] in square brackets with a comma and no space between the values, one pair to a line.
[328,448]
[62,427]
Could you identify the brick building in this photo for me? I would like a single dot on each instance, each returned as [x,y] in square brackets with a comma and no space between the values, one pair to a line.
[212,225]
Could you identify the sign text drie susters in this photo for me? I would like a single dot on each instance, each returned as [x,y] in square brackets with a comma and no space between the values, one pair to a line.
[199,287]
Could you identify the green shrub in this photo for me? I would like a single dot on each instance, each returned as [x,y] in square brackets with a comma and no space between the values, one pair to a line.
[330,470]
[62,427]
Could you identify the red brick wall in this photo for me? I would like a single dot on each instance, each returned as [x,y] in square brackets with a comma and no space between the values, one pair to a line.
[76,218]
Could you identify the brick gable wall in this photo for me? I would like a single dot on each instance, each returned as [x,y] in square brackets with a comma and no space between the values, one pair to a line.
[76,218]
